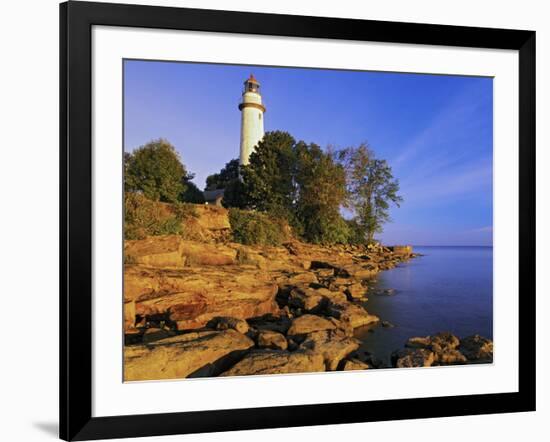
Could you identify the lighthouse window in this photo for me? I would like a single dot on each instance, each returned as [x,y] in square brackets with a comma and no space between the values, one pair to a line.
[259,116]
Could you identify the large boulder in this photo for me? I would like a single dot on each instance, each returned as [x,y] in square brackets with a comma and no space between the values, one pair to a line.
[189,298]
[356,291]
[443,345]
[306,298]
[477,349]
[227,322]
[354,364]
[443,341]
[206,353]
[332,297]
[450,357]
[333,345]
[310,323]
[259,362]
[444,349]
[409,357]
[268,322]
[360,272]
[352,314]
[271,339]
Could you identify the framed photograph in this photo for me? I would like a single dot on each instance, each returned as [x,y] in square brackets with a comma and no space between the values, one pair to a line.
[273,220]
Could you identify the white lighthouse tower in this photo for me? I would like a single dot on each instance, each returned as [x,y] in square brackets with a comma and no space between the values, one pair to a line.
[252,118]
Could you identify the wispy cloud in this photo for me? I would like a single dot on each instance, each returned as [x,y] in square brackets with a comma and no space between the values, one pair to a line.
[459,112]
[439,183]
[450,157]
[485,229]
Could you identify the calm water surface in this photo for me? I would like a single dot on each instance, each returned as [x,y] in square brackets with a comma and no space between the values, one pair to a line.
[447,289]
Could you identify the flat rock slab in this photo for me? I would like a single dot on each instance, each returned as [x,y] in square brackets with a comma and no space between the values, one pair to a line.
[193,354]
[190,298]
[205,254]
[259,362]
[310,323]
[158,251]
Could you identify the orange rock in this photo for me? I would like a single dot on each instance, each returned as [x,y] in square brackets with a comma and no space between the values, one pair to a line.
[191,297]
[332,345]
[199,253]
[260,362]
[352,314]
[189,355]
[157,251]
[212,217]
[310,323]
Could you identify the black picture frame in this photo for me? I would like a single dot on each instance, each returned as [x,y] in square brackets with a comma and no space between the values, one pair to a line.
[76,21]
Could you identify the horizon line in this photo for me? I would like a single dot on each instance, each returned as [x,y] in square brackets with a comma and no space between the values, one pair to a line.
[451,245]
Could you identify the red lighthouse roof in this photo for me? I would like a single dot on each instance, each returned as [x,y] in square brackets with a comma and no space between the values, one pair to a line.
[252,79]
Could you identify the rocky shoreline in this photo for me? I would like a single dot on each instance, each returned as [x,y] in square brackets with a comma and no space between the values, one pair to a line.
[207,308]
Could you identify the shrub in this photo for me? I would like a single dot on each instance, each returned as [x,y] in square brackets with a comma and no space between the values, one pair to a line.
[326,230]
[256,228]
[143,217]
[184,211]
[357,233]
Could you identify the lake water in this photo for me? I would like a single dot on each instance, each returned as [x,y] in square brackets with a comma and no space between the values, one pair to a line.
[447,289]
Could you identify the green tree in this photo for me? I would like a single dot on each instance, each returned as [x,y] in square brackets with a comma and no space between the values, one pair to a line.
[156,171]
[371,189]
[228,179]
[226,176]
[268,179]
[321,183]
[356,233]
[192,193]
[235,195]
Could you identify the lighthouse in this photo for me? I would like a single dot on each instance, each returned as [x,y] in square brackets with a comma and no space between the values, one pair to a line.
[252,118]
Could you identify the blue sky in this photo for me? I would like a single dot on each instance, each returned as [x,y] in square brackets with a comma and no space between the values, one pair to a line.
[435,131]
